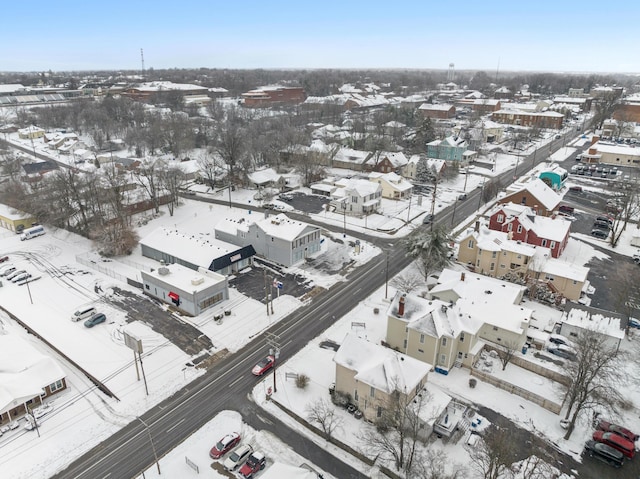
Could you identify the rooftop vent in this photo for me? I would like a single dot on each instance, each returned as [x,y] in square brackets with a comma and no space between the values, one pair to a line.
[163,271]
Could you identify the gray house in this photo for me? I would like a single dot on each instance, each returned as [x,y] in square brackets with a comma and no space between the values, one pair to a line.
[276,238]
[189,291]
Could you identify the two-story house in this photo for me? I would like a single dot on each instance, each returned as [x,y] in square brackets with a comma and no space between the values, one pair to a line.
[535,194]
[522,224]
[277,238]
[394,187]
[371,374]
[450,149]
[356,197]
[578,318]
[417,161]
[386,162]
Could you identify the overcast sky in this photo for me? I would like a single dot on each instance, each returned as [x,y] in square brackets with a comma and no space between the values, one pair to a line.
[559,35]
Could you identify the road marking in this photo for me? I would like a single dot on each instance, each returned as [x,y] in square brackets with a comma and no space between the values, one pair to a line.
[175,425]
[234,382]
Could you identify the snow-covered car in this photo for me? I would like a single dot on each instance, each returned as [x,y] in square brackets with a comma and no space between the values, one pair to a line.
[255,462]
[562,351]
[237,457]
[21,277]
[603,453]
[559,339]
[224,445]
[15,273]
[619,430]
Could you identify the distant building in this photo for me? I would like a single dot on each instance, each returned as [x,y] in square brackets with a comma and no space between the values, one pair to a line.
[545,119]
[535,194]
[450,149]
[15,220]
[578,318]
[273,95]
[440,111]
[151,90]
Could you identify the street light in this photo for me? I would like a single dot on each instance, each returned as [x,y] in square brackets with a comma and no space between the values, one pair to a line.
[153,447]
[273,341]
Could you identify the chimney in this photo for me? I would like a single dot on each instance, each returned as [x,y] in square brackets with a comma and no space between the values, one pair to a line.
[477,227]
[462,276]
[401,306]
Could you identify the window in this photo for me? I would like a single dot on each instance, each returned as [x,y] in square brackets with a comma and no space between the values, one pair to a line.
[544,242]
[495,328]
[355,395]
[421,351]
[500,218]
[379,413]
[492,267]
[146,286]
[504,253]
[444,341]
[461,337]
[502,266]
[493,254]
[510,227]
[422,338]
[552,245]
[573,334]
[575,282]
[443,359]
[372,392]
[55,386]
[470,244]
[405,344]
[478,263]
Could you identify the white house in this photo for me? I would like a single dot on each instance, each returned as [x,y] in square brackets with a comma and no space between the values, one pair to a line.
[356,197]
[578,318]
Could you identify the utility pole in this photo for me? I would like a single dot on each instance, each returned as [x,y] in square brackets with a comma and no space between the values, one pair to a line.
[273,341]
[386,278]
[153,447]
[266,295]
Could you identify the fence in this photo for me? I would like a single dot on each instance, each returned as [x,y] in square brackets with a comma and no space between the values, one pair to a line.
[513,389]
[534,367]
[107,271]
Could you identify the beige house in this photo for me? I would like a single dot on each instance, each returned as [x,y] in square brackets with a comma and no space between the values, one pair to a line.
[394,186]
[15,220]
[432,331]
[495,254]
[31,133]
[371,374]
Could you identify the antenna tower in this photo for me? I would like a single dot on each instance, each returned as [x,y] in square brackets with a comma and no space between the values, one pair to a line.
[142,61]
[451,74]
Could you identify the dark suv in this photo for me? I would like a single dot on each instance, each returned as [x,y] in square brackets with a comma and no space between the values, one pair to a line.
[604,453]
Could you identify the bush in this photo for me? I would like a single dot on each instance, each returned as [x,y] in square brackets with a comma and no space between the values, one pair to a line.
[340,399]
[472,382]
[302,381]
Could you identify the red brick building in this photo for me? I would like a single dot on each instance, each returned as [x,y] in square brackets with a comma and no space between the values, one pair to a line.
[544,119]
[440,111]
[277,95]
[536,195]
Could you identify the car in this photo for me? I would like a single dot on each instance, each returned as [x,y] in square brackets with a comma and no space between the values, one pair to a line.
[559,339]
[623,445]
[237,457]
[566,209]
[7,271]
[286,197]
[21,277]
[558,137]
[562,351]
[269,206]
[14,273]
[617,429]
[462,197]
[3,259]
[634,323]
[605,219]
[263,366]
[603,225]
[604,453]
[577,189]
[636,258]
[599,233]
[255,462]
[224,445]
[95,319]
[578,157]
[428,219]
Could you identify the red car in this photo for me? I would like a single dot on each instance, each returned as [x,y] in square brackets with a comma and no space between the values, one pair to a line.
[3,259]
[224,445]
[263,366]
[623,445]
[621,431]
[255,463]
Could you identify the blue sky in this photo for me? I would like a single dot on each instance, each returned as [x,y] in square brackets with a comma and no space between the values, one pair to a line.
[560,35]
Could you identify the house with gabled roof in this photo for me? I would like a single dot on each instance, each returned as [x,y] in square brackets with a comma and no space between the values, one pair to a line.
[523,224]
[371,374]
[439,110]
[394,186]
[356,197]
[350,159]
[450,149]
[386,162]
[411,168]
[535,194]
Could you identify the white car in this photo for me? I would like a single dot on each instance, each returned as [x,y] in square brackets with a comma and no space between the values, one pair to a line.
[237,457]
[21,277]
[15,274]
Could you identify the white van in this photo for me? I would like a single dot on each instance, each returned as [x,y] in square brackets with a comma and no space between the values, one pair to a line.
[83,313]
[32,232]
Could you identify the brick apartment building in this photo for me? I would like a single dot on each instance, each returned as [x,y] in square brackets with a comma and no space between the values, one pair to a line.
[276,95]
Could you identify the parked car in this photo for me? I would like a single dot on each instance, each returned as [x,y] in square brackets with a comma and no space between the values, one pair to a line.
[619,430]
[255,462]
[95,319]
[263,366]
[7,271]
[562,351]
[269,206]
[428,219]
[623,445]
[566,209]
[604,453]
[286,196]
[462,197]
[224,445]
[600,233]
[605,219]
[15,273]
[577,189]
[559,339]
[3,259]
[21,277]
[237,457]
[604,225]
[634,323]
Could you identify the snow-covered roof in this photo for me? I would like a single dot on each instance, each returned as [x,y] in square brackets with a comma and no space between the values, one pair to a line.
[548,114]
[24,372]
[195,248]
[262,177]
[281,226]
[11,88]
[155,86]
[185,278]
[554,229]
[489,310]
[617,149]
[477,287]
[382,368]
[435,107]
[361,187]
[279,470]
[394,180]
[559,268]
[12,214]
[603,322]
[491,240]
[542,192]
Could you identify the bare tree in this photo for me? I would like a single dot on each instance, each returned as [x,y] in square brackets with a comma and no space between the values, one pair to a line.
[230,143]
[172,178]
[506,352]
[534,467]
[604,108]
[627,202]
[492,456]
[209,165]
[407,282]
[324,414]
[435,464]
[397,431]
[147,176]
[594,377]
